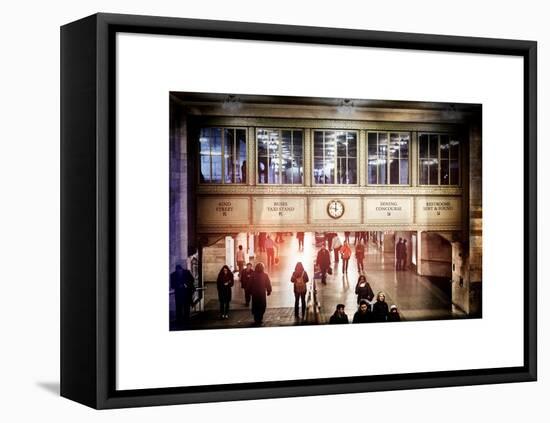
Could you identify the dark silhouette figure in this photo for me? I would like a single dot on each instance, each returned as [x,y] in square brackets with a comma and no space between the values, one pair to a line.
[261,241]
[300,236]
[300,279]
[260,289]
[246,282]
[380,308]
[360,256]
[398,254]
[363,290]
[404,256]
[393,315]
[224,284]
[183,284]
[363,314]
[339,317]
[323,261]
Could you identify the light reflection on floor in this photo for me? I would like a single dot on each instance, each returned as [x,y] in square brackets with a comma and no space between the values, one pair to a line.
[416,297]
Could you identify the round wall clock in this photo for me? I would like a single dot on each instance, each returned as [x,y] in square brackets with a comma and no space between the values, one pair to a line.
[335,209]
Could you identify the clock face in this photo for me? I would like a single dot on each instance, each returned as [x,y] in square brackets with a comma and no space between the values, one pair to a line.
[335,209]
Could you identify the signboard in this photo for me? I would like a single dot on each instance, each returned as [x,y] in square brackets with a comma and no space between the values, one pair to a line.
[388,210]
[438,210]
[277,210]
[220,210]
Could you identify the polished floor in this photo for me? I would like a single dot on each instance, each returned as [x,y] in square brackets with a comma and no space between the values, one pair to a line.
[417,297]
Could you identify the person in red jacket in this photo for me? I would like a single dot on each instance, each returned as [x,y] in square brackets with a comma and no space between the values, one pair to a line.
[346,254]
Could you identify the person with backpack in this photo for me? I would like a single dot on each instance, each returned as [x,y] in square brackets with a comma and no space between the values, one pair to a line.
[299,279]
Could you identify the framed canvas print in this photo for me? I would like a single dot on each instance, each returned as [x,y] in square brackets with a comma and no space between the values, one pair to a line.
[258,211]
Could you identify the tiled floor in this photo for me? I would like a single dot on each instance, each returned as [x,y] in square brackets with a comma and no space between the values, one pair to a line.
[417,297]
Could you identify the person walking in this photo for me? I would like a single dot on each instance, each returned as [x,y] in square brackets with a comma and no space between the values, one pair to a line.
[224,284]
[300,279]
[398,254]
[246,282]
[300,236]
[336,245]
[404,255]
[363,290]
[261,241]
[323,261]
[259,290]
[380,308]
[183,284]
[363,314]
[240,259]
[357,238]
[360,256]
[346,255]
[270,249]
[339,316]
[346,236]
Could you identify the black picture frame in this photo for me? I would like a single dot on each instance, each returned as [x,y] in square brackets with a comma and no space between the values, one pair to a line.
[88,199]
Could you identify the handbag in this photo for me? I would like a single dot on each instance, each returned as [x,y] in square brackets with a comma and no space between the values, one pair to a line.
[329,270]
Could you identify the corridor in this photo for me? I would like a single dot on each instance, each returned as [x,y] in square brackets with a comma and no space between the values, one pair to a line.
[417,297]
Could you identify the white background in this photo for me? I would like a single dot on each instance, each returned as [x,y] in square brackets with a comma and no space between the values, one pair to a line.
[30,214]
[145,356]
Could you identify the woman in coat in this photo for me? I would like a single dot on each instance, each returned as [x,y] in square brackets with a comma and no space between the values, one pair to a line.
[380,308]
[300,279]
[259,289]
[363,290]
[224,283]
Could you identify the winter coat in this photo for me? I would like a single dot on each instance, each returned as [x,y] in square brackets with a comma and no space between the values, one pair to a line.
[394,317]
[336,319]
[323,259]
[246,278]
[380,311]
[359,317]
[345,251]
[364,292]
[260,287]
[183,285]
[224,284]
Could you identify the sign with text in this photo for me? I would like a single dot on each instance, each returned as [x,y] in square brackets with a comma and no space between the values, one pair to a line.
[438,210]
[276,210]
[388,210]
[220,210]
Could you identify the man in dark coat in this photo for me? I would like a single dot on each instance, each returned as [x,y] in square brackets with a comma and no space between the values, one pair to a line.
[323,261]
[363,315]
[260,288]
[339,316]
[183,284]
[246,282]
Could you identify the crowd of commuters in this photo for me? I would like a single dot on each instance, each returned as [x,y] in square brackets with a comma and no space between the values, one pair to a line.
[255,281]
